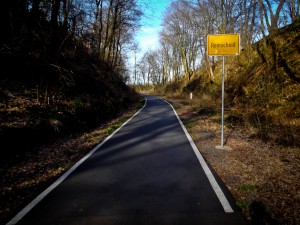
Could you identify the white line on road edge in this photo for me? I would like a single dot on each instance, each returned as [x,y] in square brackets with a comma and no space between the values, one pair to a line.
[34,202]
[222,198]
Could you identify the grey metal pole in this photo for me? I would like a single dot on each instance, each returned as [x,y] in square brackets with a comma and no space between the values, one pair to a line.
[222,128]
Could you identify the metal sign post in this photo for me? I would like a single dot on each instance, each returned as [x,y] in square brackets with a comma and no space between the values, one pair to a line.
[222,45]
[223,87]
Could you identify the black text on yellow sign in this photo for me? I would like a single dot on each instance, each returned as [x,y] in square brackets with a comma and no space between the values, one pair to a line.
[223,44]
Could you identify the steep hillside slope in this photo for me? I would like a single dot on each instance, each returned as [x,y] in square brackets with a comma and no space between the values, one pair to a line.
[262,86]
[267,93]
[43,98]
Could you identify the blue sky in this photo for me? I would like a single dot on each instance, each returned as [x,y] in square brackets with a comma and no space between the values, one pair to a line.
[147,37]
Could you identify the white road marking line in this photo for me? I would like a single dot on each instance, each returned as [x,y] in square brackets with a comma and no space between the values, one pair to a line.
[222,198]
[39,198]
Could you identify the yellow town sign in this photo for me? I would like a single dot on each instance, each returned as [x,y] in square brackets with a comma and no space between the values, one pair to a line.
[223,44]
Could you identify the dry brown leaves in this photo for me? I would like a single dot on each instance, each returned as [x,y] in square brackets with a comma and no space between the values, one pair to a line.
[28,174]
[263,177]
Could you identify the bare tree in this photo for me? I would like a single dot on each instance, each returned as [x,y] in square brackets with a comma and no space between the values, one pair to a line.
[269,14]
[293,9]
[115,20]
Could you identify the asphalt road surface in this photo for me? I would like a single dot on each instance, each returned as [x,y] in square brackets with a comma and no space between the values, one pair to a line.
[147,172]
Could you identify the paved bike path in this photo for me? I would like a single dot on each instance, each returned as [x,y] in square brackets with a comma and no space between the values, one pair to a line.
[146,173]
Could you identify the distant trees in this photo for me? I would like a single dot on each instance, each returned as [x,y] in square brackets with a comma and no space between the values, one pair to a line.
[188,22]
